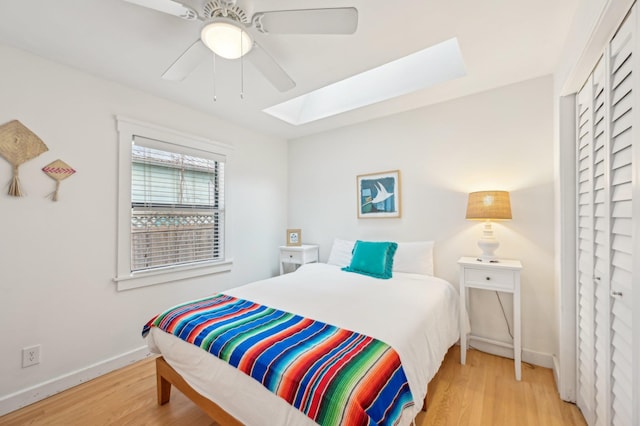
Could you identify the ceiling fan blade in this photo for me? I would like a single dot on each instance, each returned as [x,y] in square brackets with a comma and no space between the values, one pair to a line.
[168,6]
[341,20]
[187,62]
[270,68]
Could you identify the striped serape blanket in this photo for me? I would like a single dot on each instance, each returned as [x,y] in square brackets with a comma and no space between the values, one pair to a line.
[334,376]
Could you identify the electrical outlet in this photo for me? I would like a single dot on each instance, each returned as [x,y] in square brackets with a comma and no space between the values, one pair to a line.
[30,356]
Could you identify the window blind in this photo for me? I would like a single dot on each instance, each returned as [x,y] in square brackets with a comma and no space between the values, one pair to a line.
[177,208]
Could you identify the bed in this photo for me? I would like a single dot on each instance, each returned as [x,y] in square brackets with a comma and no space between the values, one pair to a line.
[416,314]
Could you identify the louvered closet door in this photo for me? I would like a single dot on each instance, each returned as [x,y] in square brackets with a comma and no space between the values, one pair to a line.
[585,299]
[607,155]
[601,258]
[624,363]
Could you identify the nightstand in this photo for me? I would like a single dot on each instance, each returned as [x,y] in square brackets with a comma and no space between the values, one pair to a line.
[298,255]
[502,276]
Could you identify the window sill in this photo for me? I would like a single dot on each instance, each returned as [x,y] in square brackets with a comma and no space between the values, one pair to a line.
[161,276]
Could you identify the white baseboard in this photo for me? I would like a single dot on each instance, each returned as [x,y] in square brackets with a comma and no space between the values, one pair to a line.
[51,387]
[532,357]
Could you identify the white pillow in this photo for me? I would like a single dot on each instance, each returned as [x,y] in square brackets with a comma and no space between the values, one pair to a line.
[341,252]
[415,258]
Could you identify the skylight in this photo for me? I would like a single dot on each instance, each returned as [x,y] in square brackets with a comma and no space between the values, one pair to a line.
[433,65]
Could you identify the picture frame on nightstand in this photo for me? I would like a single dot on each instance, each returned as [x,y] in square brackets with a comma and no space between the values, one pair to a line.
[294,237]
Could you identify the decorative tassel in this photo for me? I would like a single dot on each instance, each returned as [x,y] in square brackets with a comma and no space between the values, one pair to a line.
[14,187]
[55,193]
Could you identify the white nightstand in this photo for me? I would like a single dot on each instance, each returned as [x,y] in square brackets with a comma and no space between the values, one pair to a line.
[502,276]
[298,255]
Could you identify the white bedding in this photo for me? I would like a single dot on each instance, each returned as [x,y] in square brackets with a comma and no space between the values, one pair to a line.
[415,314]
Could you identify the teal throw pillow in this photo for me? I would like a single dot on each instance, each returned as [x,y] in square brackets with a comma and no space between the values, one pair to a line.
[372,258]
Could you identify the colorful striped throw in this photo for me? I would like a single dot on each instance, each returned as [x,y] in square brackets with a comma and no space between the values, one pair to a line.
[334,376]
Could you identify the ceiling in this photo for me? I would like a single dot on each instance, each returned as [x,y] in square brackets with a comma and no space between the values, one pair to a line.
[502,42]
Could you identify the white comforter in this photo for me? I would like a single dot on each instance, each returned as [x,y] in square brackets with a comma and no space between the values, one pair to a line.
[416,314]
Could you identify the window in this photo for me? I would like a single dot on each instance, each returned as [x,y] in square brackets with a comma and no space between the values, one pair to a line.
[171,213]
[177,208]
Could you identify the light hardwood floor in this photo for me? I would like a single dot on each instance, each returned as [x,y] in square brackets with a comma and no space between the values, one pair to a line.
[483,392]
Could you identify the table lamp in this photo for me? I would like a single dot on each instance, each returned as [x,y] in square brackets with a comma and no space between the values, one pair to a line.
[488,206]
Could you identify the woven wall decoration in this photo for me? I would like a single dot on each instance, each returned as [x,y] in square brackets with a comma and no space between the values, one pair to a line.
[57,170]
[18,145]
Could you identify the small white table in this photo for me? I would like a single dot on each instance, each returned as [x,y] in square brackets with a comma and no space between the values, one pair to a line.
[298,255]
[502,276]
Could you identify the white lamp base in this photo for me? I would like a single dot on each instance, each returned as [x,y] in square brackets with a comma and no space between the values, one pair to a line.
[488,244]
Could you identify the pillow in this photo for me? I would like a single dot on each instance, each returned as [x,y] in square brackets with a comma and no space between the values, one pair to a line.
[372,258]
[341,252]
[415,258]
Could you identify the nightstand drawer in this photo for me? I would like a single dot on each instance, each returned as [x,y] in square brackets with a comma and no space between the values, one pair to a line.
[298,255]
[291,256]
[490,278]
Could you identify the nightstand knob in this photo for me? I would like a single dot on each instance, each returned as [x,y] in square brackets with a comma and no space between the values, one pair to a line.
[488,278]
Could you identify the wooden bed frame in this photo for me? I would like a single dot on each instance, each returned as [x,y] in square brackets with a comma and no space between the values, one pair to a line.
[167,376]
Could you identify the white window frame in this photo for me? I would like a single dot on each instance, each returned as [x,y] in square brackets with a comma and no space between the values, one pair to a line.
[171,140]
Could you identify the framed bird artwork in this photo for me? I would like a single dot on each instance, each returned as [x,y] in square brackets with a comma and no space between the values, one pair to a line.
[379,195]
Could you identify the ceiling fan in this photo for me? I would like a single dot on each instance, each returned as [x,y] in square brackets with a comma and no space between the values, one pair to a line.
[228,32]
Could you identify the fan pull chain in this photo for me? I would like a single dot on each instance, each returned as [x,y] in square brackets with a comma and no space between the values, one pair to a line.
[215,97]
[241,68]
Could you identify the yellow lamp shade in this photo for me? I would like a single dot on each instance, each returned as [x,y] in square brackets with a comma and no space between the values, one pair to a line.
[489,205]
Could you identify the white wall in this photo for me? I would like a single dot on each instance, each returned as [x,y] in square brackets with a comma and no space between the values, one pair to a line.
[57,260]
[501,139]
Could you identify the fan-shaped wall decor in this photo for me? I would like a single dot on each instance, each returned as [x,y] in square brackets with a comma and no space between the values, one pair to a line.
[57,170]
[18,145]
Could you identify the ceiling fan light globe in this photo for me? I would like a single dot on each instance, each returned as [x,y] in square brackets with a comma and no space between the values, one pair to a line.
[226,39]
